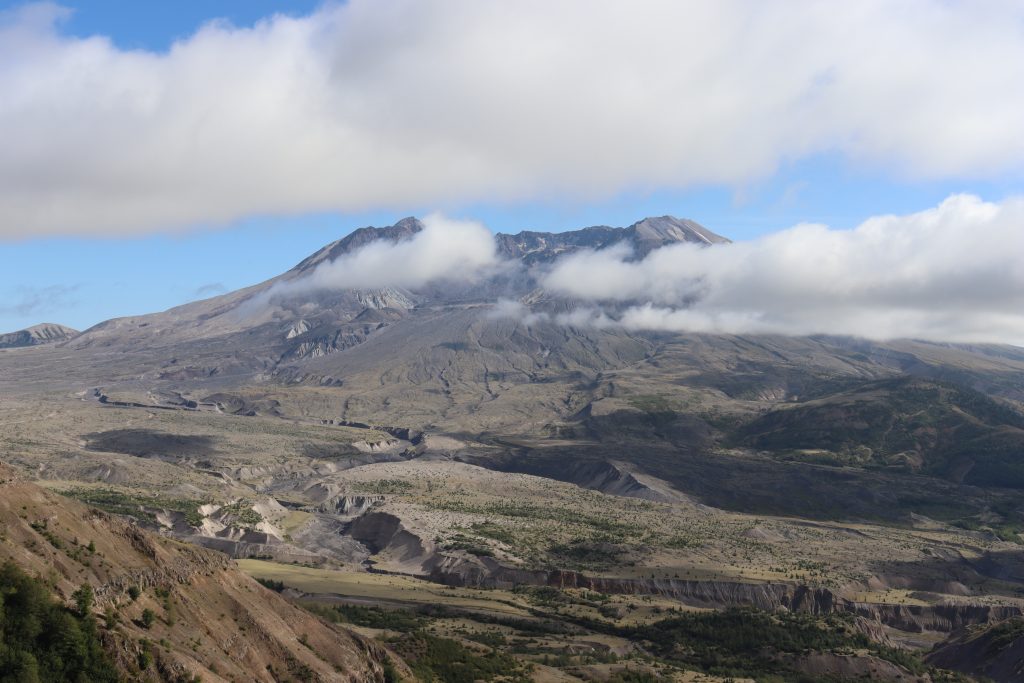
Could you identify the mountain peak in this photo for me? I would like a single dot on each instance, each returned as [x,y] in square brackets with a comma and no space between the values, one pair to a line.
[403,229]
[654,232]
[644,236]
[43,333]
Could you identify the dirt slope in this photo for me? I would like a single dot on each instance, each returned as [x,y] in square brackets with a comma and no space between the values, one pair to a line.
[210,619]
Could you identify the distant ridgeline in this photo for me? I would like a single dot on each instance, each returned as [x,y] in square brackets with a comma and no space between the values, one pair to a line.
[47,333]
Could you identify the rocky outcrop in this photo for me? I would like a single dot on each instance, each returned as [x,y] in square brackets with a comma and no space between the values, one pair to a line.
[413,436]
[233,404]
[350,506]
[382,446]
[240,549]
[324,341]
[297,328]
[385,298]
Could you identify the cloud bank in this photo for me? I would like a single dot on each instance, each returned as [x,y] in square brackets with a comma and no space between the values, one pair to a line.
[386,103]
[951,273]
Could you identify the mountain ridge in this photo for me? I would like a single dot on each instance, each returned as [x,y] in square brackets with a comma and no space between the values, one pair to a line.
[644,236]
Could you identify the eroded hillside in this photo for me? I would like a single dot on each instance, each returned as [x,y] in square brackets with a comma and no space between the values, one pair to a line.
[169,610]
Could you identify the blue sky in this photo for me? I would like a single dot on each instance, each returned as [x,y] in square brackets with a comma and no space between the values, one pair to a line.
[88,276]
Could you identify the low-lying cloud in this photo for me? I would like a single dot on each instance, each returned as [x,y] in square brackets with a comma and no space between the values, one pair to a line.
[373,104]
[585,316]
[444,250]
[951,273]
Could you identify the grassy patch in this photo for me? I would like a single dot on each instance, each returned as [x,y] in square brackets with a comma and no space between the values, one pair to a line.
[137,505]
[444,660]
[383,486]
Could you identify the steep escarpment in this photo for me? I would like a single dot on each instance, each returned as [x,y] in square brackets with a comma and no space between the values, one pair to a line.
[212,621]
[388,538]
[793,597]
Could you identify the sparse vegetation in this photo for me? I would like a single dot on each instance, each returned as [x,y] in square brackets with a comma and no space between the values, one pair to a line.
[747,643]
[241,514]
[447,661]
[371,617]
[276,586]
[385,486]
[903,423]
[138,505]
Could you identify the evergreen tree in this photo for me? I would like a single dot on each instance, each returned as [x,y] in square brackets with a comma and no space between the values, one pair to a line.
[41,640]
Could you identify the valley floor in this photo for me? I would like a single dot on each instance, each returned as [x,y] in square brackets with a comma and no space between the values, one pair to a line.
[360,523]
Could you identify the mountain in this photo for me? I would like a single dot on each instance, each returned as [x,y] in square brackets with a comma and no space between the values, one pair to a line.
[268,328]
[45,333]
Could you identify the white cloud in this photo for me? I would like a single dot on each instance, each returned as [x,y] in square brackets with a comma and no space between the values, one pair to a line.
[951,273]
[583,316]
[385,103]
[444,250]
[515,310]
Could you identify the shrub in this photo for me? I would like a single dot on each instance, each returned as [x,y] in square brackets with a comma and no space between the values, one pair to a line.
[83,598]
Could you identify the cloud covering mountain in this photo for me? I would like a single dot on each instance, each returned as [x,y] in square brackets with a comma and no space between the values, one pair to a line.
[444,249]
[395,103]
[951,273]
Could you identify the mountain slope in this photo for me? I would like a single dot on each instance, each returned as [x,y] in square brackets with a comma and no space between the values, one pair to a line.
[211,620]
[994,652]
[906,423]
